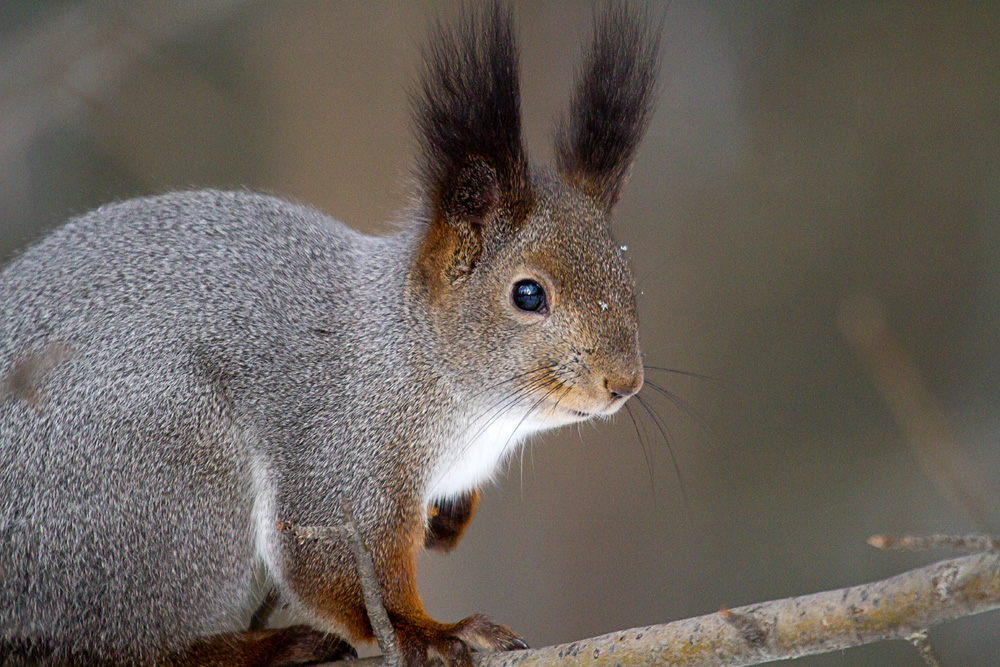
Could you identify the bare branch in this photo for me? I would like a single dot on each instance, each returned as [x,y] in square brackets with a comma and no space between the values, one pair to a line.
[923,646]
[896,608]
[971,543]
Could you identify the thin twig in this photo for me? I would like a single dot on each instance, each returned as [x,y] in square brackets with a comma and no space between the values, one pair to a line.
[783,629]
[921,420]
[261,615]
[377,615]
[303,533]
[970,543]
[923,646]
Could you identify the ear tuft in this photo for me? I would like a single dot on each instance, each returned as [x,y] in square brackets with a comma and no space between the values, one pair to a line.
[611,105]
[472,193]
[468,119]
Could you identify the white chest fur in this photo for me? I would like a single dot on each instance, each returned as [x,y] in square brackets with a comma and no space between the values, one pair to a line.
[477,453]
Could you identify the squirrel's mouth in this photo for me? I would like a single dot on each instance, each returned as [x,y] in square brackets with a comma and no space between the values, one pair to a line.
[573,405]
[571,415]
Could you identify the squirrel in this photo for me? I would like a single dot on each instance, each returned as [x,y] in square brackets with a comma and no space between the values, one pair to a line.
[186,373]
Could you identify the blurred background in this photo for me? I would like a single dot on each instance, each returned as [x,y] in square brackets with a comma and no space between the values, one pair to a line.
[813,218]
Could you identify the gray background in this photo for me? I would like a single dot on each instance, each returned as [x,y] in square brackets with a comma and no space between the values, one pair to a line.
[808,162]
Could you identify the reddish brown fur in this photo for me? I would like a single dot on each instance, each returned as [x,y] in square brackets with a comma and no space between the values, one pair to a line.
[448,520]
[294,645]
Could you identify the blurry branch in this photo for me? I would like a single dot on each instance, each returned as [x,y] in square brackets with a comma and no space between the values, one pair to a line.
[920,418]
[77,54]
[901,607]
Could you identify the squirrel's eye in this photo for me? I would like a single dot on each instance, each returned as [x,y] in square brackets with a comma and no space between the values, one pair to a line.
[529,296]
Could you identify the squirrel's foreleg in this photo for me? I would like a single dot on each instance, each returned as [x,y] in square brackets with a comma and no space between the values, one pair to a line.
[447,521]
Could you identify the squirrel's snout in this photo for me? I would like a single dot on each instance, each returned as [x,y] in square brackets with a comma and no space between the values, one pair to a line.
[623,385]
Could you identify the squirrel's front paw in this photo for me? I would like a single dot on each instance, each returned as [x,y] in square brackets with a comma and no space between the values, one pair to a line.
[453,643]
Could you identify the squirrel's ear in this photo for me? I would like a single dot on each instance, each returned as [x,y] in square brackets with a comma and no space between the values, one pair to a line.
[472,169]
[611,105]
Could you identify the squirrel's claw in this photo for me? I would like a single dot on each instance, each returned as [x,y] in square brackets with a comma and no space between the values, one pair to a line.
[454,643]
[483,635]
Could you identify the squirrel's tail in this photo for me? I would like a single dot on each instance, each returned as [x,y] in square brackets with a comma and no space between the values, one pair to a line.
[294,645]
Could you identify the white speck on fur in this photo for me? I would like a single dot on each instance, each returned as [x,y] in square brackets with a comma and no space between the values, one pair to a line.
[603,305]
[624,248]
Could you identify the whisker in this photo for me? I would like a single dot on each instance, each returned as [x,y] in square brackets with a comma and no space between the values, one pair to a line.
[514,379]
[530,410]
[687,408]
[665,432]
[504,405]
[525,416]
[678,371]
[520,470]
[645,451]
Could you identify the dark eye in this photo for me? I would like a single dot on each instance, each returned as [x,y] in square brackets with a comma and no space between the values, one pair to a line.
[529,296]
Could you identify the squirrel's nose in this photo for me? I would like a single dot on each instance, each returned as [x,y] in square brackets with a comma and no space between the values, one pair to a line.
[623,385]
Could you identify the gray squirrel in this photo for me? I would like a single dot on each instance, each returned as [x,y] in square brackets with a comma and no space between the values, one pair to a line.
[183,374]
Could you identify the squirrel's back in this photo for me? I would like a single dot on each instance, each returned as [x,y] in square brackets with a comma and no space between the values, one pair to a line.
[177,257]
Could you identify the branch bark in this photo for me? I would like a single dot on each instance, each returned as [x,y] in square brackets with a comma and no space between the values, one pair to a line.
[894,608]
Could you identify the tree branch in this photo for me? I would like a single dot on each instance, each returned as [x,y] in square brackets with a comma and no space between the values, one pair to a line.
[900,607]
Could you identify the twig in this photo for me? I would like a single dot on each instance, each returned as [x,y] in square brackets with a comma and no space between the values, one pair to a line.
[923,646]
[260,617]
[893,608]
[971,543]
[385,635]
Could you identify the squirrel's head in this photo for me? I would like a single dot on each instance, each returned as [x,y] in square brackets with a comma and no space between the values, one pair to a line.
[530,300]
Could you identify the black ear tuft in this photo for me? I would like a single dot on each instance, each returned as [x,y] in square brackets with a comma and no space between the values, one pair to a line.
[611,105]
[468,118]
